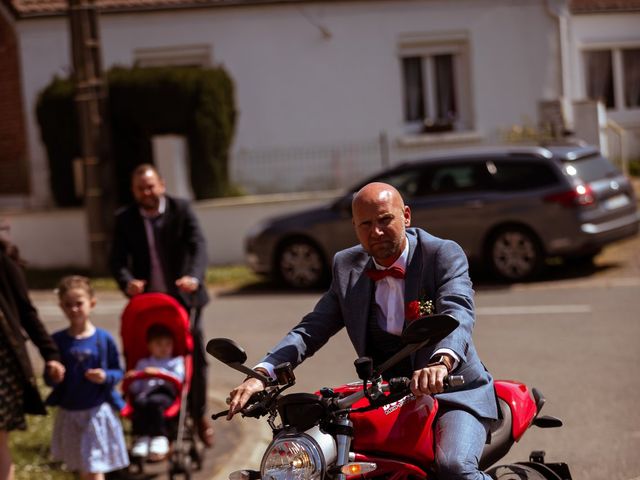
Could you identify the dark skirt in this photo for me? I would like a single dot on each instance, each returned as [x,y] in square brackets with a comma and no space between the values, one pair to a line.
[11,390]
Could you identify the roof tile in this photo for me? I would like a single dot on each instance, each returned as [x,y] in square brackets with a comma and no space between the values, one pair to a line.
[32,8]
[603,6]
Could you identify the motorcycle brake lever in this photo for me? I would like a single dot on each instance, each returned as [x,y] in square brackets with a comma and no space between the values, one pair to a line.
[216,416]
[255,410]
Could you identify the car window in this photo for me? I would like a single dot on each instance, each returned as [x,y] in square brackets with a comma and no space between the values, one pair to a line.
[513,175]
[594,167]
[452,178]
[405,181]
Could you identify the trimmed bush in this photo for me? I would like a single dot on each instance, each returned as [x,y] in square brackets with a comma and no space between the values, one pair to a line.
[194,102]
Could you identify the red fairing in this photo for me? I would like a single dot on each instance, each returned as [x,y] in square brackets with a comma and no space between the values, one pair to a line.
[523,408]
[402,430]
[389,469]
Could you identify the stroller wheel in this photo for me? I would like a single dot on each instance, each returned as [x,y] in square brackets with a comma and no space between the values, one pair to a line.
[138,465]
[196,456]
[185,476]
[180,466]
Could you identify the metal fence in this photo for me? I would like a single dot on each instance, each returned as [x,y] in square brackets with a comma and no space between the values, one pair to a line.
[306,169]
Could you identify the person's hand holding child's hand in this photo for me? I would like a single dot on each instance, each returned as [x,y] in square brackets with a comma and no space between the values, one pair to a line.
[95,375]
[55,371]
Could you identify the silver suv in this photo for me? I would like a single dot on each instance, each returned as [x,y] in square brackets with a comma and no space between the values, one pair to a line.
[508,207]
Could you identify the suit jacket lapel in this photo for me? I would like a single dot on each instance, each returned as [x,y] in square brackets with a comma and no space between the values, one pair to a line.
[361,290]
[413,280]
[413,272]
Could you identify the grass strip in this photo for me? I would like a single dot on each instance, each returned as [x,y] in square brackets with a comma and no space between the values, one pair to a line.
[230,276]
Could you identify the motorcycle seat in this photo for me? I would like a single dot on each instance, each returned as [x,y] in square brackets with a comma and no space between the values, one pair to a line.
[500,438]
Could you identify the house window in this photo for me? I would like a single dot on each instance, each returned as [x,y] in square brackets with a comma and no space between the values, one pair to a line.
[631,66]
[600,77]
[612,75]
[435,83]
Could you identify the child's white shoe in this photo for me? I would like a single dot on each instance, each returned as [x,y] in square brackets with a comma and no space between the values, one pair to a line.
[140,447]
[158,448]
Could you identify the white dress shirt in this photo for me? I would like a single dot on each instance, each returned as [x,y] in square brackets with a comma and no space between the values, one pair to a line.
[390,295]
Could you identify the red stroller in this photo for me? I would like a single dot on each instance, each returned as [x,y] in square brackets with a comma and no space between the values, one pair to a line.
[143,311]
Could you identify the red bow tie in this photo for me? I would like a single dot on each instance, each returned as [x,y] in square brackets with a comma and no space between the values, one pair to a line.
[393,271]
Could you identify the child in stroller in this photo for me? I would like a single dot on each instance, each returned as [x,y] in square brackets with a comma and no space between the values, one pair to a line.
[158,346]
[151,396]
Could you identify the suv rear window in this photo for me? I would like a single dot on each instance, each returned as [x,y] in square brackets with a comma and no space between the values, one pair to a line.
[594,167]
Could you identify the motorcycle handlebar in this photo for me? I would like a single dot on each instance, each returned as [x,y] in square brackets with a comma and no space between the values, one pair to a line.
[255,407]
[401,383]
[397,385]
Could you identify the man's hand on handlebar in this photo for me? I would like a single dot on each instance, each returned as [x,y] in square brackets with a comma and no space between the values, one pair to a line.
[240,395]
[429,380]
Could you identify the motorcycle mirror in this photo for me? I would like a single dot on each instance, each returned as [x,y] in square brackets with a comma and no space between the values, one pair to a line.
[419,333]
[233,355]
[429,329]
[226,350]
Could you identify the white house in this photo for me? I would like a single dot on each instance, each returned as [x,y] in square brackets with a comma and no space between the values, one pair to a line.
[604,62]
[328,91]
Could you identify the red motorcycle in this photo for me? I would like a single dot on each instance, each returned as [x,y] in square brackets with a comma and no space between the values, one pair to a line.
[378,429]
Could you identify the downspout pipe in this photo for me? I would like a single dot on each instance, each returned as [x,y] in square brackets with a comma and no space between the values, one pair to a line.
[559,11]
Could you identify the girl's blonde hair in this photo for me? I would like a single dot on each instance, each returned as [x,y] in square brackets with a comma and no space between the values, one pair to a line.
[74,282]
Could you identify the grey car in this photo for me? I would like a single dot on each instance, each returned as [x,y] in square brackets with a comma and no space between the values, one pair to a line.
[509,208]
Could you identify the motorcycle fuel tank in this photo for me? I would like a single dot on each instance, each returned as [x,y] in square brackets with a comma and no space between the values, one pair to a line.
[402,430]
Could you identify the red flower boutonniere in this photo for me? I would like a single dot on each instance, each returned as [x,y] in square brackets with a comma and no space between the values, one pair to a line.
[419,308]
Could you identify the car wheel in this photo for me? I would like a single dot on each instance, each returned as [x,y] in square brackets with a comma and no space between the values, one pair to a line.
[515,254]
[300,264]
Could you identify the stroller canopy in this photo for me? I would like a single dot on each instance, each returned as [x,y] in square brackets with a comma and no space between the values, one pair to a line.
[148,309]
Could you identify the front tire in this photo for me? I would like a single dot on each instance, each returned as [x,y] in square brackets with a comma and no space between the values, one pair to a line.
[300,264]
[515,254]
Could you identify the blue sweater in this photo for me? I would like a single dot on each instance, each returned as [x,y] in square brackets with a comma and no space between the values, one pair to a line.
[99,350]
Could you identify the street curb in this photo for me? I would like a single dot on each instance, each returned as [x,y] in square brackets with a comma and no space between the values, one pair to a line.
[255,436]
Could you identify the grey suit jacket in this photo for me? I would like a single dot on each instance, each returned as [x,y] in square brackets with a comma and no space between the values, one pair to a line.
[437,270]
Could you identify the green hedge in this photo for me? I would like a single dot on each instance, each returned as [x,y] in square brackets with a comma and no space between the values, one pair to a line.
[197,103]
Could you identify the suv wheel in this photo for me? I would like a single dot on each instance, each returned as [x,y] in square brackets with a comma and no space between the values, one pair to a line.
[515,254]
[300,264]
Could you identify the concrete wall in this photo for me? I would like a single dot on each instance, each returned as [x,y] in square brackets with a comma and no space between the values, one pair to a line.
[58,238]
[322,74]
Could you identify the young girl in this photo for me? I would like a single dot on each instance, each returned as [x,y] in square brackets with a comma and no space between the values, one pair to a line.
[87,435]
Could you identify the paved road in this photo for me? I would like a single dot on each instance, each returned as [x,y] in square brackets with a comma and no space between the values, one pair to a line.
[574,335]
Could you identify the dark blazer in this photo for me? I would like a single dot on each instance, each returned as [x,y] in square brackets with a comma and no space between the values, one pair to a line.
[181,244]
[437,270]
[19,321]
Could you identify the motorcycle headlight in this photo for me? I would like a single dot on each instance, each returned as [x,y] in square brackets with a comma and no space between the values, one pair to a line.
[292,458]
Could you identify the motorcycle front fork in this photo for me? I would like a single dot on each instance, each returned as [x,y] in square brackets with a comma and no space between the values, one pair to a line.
[343,443]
